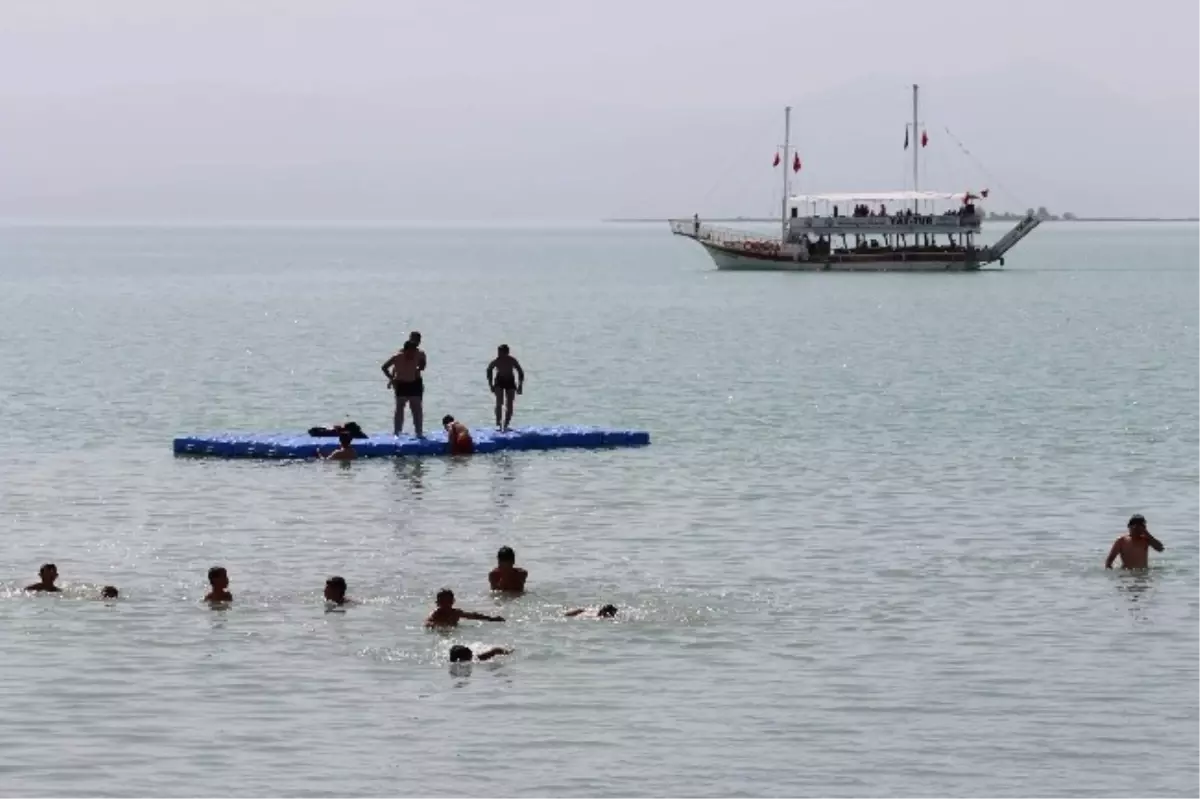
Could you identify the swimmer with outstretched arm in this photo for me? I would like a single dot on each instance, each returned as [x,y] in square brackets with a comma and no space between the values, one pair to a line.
[504,384]
[605,612]
[463,654]
[446,615]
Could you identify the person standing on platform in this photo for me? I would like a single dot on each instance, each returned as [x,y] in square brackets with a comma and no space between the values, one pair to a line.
[506,379]
[403,371]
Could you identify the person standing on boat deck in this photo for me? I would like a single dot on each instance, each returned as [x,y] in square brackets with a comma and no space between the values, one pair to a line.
[503,383]
[403,371]
[1134,548]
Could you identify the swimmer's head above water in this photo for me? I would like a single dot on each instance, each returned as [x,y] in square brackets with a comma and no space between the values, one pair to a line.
[335,589]
[218,578]
[110,592]
[506,556]
[445,598]
[1137,524]
[606,612]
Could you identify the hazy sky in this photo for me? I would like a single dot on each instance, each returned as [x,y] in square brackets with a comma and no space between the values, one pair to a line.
[574,110]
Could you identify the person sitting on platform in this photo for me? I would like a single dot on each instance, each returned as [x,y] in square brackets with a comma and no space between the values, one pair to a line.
[458,437]
[345,452]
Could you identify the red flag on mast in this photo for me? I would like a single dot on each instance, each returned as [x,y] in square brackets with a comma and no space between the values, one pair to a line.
[924,138]
[776,162]
[796,163]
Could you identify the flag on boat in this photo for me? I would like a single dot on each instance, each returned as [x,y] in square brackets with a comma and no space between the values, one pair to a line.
[906,137]
[776,163]
[924,138]
[796,163]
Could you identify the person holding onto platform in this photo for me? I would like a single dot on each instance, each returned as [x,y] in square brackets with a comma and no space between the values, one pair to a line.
[504,384]
[403,371]
[218,579]
[46,577]
[463,654]
[1134,548]
[458,437]
[507,576]
[345,452]
[605,612]
[446,615]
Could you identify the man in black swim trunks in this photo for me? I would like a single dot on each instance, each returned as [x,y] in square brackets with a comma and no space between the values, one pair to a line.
[403,371]
[503,383]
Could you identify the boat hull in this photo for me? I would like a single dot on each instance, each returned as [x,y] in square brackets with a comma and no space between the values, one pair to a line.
[732,261]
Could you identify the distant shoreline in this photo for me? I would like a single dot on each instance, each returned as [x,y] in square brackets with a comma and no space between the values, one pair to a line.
[1012,218]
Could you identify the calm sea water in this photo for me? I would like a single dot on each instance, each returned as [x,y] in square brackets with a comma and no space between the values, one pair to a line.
[863,555]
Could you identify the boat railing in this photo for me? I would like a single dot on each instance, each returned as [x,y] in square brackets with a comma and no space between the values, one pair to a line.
[926,222]
[723,236]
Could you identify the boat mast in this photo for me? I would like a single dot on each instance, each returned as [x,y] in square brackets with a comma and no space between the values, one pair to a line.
[787,140]
[916,147]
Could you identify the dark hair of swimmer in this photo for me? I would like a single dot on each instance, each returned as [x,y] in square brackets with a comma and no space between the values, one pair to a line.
[607,611]
[47,568]
[110,592]
[502,349]
[216,573]
[445,595]
[447,419]
[335,589]
[506,555]
[461,654]
[409,346]
[415,337]
[345,438]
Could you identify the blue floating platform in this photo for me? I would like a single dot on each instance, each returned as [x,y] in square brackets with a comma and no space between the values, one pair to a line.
[287,445]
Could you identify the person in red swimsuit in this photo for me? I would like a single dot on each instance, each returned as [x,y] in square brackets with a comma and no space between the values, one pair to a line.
[457,436]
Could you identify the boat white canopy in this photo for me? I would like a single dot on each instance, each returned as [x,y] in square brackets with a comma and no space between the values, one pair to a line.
[885,197]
